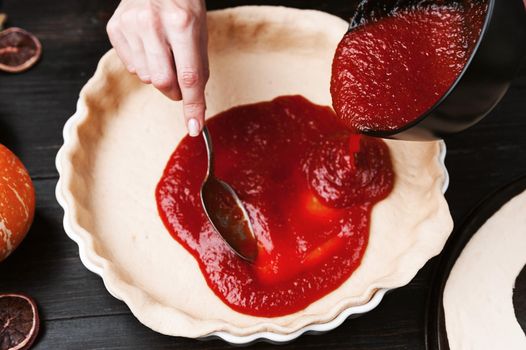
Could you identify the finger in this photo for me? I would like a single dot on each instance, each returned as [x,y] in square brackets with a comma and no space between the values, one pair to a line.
[191,74]
[119,42]
[159,59]
[133,37]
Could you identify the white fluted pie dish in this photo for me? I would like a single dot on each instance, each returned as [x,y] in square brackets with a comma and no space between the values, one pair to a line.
[116,146]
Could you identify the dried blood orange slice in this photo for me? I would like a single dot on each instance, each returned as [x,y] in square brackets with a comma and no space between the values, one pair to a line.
[19,322]
[19,50]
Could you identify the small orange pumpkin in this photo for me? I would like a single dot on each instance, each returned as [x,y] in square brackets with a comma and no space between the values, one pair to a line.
[17,202]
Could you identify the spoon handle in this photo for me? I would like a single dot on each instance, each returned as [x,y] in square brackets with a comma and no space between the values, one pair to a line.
[209,151]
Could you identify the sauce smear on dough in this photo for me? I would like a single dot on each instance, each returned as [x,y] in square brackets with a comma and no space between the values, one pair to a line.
[309,187]
[390,71]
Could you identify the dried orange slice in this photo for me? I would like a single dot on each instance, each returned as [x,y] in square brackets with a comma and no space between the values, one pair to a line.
[19,50]
[19,321]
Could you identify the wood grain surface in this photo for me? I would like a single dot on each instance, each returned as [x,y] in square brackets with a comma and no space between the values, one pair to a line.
[77,311]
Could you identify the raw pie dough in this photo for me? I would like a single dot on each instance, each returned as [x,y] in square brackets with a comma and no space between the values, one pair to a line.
[124,132]
[478,303]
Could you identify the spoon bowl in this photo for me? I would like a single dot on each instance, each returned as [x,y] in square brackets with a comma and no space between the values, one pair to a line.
[226,211]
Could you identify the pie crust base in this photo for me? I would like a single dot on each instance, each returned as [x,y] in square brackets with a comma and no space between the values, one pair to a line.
[123,133]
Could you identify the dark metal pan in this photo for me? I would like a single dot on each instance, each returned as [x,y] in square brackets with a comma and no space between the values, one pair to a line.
[485,78]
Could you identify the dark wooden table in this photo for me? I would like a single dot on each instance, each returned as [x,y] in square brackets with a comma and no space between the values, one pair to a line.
[77,311]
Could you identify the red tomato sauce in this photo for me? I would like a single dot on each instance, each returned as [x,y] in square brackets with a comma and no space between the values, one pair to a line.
[309,187]
[390,71]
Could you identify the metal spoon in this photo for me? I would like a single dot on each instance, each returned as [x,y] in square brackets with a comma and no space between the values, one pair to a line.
[225,211]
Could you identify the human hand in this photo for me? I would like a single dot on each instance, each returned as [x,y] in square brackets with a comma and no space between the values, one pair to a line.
[165,43]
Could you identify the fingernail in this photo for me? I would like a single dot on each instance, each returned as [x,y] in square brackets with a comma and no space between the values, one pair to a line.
[193,127]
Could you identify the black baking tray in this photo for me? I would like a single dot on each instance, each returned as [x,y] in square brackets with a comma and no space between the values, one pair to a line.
[435,333]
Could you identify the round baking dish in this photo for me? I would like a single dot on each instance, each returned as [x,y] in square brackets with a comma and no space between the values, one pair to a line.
[118,141]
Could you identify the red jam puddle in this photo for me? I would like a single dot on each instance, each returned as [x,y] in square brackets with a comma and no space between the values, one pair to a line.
[390,71]
[309,187]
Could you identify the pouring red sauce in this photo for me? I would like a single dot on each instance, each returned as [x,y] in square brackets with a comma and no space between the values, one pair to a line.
[309,187]
[390,71]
